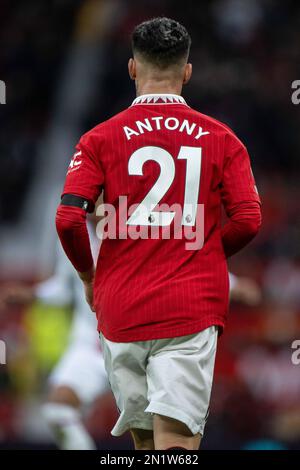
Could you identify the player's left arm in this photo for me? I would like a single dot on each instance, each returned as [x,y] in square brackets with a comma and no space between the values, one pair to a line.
[84,183]
[240,198]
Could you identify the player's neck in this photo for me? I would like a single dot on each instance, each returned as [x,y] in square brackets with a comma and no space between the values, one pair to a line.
[152,87]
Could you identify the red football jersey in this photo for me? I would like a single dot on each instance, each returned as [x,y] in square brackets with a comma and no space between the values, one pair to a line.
[161,271]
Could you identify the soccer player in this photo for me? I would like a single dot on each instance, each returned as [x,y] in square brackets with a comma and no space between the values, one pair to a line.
[160,288]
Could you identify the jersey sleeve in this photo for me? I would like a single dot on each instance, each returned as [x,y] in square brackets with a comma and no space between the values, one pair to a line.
[238,184]
[85,176]
[240,198]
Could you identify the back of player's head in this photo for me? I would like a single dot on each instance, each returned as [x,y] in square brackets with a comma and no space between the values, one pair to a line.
[162,42]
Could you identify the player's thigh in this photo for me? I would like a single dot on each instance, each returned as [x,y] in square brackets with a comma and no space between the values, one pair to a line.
[125,364]
[179,377]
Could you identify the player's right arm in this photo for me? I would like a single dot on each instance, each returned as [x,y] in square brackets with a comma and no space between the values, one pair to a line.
[239,196]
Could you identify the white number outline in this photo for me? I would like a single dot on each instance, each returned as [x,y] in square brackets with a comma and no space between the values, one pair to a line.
[144,214]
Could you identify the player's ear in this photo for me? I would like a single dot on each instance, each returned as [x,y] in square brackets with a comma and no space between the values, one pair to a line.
[187,73]
[132,68]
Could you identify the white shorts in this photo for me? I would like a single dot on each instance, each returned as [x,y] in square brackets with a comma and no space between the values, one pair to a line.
[82,369]
[170,377]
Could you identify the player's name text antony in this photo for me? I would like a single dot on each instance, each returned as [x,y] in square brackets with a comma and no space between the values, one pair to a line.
[159,123]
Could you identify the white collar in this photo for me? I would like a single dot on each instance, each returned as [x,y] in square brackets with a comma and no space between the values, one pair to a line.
[161,98]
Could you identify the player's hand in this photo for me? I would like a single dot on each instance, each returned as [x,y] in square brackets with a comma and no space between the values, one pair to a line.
[247,291]
[89,294]
[88,285]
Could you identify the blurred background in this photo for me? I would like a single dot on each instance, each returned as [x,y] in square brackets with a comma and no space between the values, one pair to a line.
[64,63]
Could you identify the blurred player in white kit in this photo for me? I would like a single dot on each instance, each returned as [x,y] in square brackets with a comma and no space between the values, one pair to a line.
[79,378]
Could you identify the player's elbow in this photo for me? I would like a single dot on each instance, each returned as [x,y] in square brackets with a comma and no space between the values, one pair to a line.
[252,224]
[69,219]
[248,218]
[243,226]
[255,221]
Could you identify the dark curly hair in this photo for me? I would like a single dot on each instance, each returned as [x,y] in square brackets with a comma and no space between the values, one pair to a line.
[161,41]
